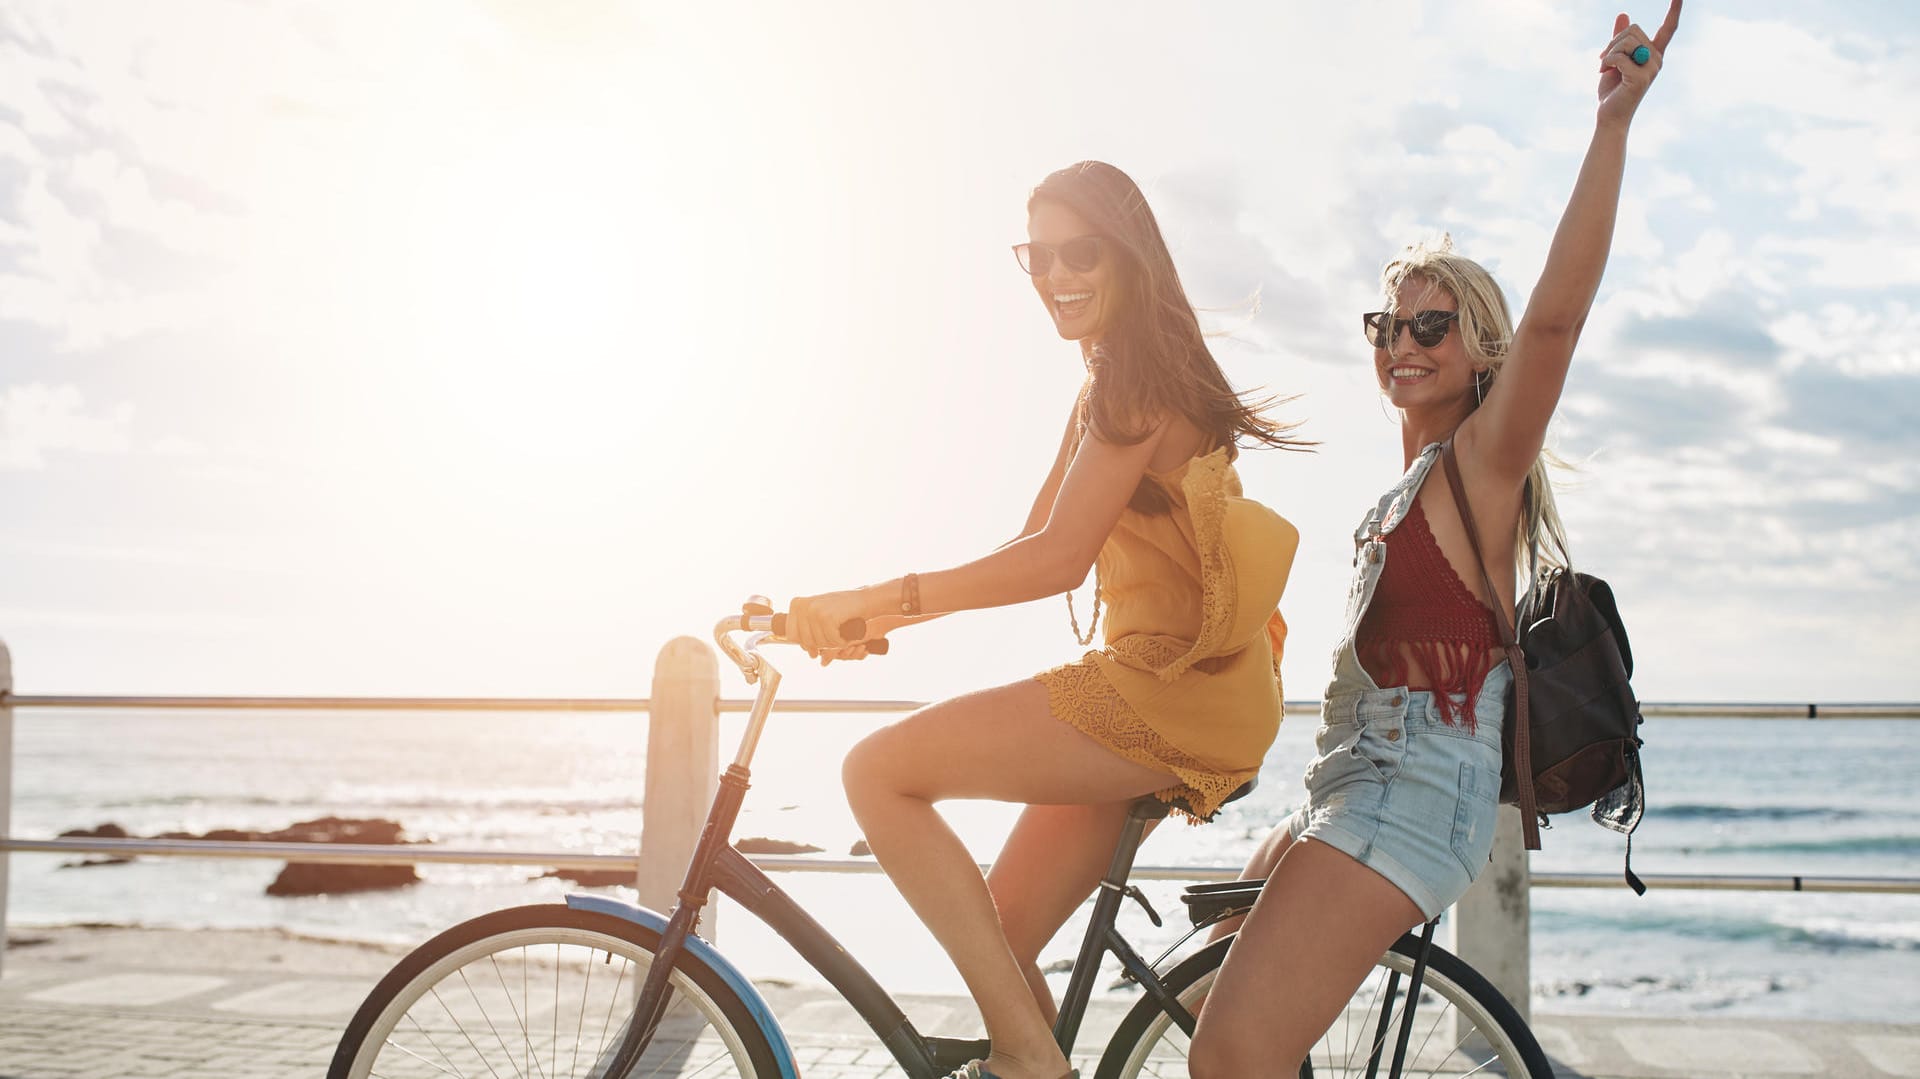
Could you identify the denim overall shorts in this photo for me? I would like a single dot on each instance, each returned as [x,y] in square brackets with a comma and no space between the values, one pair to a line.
[1392,786]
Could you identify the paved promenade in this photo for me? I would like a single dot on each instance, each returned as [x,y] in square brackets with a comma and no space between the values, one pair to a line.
[100,1003]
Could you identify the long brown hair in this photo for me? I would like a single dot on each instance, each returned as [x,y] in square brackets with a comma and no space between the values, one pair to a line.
[1153,360]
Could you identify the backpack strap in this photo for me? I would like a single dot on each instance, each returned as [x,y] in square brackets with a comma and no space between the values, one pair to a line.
[1521,735]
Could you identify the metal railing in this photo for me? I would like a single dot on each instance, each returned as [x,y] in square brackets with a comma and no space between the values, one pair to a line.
[367,854]
[408,854]
[685,708]
[1649,709]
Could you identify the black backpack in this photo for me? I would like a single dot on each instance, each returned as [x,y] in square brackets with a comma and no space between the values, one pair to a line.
[1572,733]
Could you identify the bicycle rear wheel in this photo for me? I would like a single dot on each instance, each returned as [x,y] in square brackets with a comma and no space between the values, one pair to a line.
[543,991]
[1462,1026]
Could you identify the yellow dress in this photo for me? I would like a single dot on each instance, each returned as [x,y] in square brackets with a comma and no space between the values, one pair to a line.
[1189,679]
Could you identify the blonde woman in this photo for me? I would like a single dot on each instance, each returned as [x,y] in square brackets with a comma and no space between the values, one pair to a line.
[1401,800]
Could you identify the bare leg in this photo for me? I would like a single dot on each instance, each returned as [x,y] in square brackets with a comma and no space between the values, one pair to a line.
[1321,923]
[1001,744]
[1049,865]
[1259,867]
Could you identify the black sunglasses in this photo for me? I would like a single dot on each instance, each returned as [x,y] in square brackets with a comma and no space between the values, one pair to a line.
[1082,253]
[1429,327]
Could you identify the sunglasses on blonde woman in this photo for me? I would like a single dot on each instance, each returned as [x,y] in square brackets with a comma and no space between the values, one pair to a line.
[1082,253]
[1429,327]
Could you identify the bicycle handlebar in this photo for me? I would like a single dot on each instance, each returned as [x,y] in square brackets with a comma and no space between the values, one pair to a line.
[853,629]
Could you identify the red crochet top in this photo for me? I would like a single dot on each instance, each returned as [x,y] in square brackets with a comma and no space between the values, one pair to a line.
[1422,612]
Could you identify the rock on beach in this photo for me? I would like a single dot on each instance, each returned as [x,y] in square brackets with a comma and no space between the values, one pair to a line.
[301,878]
[315,878]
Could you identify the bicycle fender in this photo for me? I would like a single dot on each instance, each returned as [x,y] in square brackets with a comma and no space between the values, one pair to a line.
[699,951]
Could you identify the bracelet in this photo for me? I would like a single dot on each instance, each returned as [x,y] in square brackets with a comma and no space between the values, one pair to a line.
[910,594]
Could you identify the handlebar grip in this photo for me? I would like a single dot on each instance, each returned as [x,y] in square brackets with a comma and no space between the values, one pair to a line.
[853,629]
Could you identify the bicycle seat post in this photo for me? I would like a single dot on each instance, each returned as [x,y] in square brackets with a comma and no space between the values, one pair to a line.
[1100,936]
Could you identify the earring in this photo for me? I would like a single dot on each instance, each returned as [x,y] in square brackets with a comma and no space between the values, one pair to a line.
[1479,382]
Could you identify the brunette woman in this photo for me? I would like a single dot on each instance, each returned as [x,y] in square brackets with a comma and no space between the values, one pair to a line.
[1182,700]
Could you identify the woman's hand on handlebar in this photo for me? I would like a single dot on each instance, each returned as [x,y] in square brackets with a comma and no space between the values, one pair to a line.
[877,629]
[813,622]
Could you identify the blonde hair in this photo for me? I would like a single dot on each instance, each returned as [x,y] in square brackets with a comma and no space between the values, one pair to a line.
[1486,330]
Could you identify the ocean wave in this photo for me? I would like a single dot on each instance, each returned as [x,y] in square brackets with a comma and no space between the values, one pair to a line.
[1711,812]
[1902,846]
[385,804]
[1710,990]
[1844,936]
[1825,935]
[241,801]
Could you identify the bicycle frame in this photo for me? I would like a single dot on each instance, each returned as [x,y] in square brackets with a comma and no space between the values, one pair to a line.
[1102,937]
[717,866]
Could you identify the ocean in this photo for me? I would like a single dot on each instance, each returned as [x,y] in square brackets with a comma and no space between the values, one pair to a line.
[1808,797]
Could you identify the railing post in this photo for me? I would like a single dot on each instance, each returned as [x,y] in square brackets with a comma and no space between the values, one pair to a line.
[6,786]
[683,770]
[1492,923]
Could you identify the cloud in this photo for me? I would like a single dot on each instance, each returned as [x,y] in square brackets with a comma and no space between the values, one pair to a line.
[1868,413]
[1647,413]
[1856,339]
[100,262]
[104,232]
[1728,326]
[1836,74]
[1241,282]
[38,419]
[1697,519]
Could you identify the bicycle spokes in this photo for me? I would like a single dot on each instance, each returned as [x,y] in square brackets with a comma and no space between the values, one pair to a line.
[546,1001]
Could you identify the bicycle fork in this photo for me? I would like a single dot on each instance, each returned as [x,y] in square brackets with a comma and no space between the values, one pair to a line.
[651,1005]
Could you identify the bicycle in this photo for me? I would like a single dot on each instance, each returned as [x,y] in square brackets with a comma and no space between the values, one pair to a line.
[644,995]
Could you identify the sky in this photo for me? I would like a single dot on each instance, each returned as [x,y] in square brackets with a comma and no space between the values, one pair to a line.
[481,348]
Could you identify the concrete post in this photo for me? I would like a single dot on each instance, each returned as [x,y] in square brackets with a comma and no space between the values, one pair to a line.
[6,786]
[683,770]
[1491,925]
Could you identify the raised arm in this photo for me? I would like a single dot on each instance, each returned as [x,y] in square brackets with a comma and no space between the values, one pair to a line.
[1098,481]
[1504,436]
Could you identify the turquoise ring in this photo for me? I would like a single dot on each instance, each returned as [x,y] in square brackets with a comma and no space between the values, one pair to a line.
[1642,54]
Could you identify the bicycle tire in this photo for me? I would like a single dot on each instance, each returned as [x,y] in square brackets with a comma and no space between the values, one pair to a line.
[579,966]
[1149,1045]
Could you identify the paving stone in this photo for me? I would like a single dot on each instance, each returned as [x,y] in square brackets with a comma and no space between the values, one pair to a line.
[1559,1044]
[128,990]
[245,1015]
[1894,1054]
[1700,1050]
[298,999]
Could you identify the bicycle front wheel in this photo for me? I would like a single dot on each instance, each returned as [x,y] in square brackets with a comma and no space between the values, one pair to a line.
[1461,1025]
[544,991]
